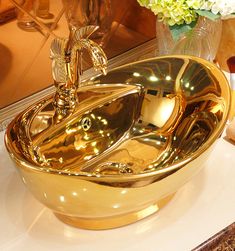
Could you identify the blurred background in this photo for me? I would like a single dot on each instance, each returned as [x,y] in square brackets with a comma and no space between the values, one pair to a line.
[27,28]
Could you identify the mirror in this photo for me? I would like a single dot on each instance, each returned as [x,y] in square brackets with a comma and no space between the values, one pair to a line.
[28,27]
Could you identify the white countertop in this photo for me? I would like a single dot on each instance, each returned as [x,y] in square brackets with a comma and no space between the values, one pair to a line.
[200,209]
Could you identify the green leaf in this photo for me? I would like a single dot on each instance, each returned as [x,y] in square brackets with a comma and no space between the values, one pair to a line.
[177,30]
[208,14]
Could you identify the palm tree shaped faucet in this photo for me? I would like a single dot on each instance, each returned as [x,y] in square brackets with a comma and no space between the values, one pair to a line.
[66,55]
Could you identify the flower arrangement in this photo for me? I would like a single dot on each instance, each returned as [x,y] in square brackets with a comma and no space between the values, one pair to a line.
[184,13]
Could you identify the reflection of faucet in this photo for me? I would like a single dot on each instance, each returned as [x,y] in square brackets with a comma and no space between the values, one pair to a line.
[66,57]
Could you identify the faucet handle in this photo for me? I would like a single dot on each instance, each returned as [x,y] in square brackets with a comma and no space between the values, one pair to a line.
[57,54]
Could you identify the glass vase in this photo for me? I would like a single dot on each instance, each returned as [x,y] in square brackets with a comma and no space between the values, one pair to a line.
[202,41]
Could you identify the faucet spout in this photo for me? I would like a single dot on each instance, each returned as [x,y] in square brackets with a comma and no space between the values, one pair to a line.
[66,55]
[97,55]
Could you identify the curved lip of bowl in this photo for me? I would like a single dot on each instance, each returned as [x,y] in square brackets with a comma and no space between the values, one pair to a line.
[84,175]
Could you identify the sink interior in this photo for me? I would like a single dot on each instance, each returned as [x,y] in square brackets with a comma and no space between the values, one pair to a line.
[163,111]
[105,115]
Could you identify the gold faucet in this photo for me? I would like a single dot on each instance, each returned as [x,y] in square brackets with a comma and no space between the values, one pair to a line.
[66,55]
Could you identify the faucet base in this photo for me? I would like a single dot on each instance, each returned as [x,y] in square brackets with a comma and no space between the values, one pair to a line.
[115,221]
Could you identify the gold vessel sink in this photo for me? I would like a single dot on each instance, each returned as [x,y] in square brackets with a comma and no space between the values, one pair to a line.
[137,135]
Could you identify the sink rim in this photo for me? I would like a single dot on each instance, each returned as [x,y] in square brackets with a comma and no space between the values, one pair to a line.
[23,163]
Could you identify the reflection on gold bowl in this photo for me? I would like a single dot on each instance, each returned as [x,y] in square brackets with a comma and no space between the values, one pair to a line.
[128,146]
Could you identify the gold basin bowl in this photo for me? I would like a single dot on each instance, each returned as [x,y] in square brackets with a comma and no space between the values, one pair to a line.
[137,135]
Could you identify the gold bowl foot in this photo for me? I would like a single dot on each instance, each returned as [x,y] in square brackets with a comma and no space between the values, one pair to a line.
[114,221]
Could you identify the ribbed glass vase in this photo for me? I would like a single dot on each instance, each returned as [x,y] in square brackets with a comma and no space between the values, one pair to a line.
[202,41]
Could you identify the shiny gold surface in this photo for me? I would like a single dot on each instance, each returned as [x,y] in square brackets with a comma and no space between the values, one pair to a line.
[138,134]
